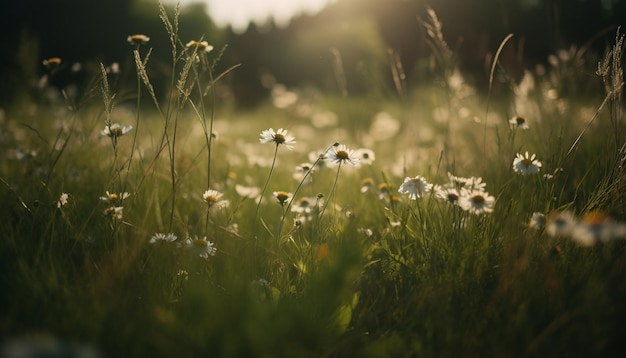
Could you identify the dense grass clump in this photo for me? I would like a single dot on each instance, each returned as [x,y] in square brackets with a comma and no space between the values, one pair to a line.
[443,223]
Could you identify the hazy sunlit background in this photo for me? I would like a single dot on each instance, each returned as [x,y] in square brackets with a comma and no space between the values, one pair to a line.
[298,42]
[238,13]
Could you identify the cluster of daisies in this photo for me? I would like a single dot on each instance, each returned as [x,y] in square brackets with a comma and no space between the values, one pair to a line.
[200,246]
[467,193]
[591,229]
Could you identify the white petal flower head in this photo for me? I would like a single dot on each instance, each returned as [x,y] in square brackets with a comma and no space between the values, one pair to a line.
[450,195]
[283,197]
[247,191]
[560,224]
[340,154]
[199,45]
[476,201]
[537,221]
[63,200]
[162,238]
[214,199]
[203,247]
[526,164]
[278,137]
[471,183]
[518,122]
[115,130]
[115,212]
[415,187]
[137,39]
[114,198]
[366,156]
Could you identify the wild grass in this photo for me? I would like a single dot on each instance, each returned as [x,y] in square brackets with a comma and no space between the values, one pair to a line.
[340,261]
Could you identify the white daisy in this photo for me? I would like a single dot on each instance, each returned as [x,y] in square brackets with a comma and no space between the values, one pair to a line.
[63,200]
[283,197]
[366,156]
[525,164]
[163,238]
[137,39]
[476,201]
[560,224]
[203,247]
[115,130]
[415,187]
[451,195]
[214,199]
[278,137]
[340,154]
[113,198]
[200,45]
[518,122]
[537,221]
[115,212]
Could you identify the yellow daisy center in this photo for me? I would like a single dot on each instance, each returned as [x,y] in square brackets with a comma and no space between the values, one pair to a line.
[282,196]
[342,155]
[478,199]
[116,131]
[200,243]
[527,162]
[279,138]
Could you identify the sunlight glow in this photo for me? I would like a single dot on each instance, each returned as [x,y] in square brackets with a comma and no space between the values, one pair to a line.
[239,13]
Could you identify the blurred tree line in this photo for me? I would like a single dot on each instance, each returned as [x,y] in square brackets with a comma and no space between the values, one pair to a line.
[355,40]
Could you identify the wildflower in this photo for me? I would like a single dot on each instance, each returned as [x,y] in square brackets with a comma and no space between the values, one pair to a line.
[214,199]
[318,157]
[366,184]
[283,197]
[163,238]
[115,130]
[596,227]
[560,224]
[366,156]
[202,247]
[199,45]
[113,198]
[137,39]
[476,201]
[115,212]
[383,191]
[247,191]
[303,173]
[63,200]
[415,187]
[525,164]
[341,154]
[537,221]
[365,231]
[306,207]
[471,183]
[52,62]
[518,122]
[278,137]
[451,195]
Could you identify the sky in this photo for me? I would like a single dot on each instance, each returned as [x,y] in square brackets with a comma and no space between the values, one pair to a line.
[238,13]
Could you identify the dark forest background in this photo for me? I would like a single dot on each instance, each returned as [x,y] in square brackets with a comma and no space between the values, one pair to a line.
[362,31]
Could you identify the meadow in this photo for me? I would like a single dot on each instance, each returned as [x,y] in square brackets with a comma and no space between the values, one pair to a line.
[432,221]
